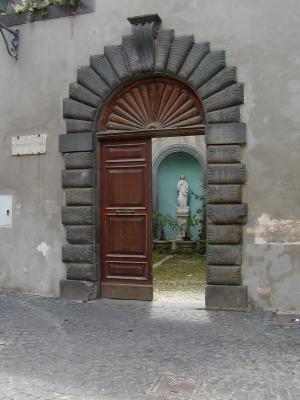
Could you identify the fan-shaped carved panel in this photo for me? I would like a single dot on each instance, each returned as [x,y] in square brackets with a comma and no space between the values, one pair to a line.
[153,104]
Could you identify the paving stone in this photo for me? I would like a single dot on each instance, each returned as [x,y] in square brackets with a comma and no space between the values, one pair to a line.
[54,349]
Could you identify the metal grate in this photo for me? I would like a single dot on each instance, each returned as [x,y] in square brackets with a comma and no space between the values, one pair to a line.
[173,384]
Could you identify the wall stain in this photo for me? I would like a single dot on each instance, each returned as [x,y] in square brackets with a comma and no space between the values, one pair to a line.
[275,231]
[44,249]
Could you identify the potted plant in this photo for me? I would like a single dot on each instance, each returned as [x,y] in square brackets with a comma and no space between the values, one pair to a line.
[186,245]
[42,7]
[160,243]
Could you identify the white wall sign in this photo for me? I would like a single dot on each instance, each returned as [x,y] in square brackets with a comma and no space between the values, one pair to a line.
[30,144]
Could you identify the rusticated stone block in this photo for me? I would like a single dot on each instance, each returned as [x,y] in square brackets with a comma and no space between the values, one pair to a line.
[78,290]
[229,234]
[211,64]
[103,68]
[84,272]
[180,48]
[77,126]
[231,96]
[80,234]
[223,194]
[225,115]
[162,49]
[78,253]
[226,214]
[76,110]
[223,275]
[232,133]
[226,154]
[78,215]
[80,160]
[78,178]
[82,94]
[224,254]
[130,53]
[226,77]
[92,81]
[76,142]
[116,58]
[80,197]
[226,173]
[226,297]
[193,59]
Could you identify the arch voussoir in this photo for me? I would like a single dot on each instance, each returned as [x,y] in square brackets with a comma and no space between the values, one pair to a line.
[179,50]
[115,56]
[212,63]
[226,115]
[80,93]
[193,59]
[224,78]
[92,81]
[103,68]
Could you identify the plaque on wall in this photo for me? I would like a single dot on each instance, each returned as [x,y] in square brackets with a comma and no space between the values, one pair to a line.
[30,144]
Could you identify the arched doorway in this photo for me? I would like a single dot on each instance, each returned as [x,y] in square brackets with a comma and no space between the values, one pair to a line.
[145,109]
[214,84]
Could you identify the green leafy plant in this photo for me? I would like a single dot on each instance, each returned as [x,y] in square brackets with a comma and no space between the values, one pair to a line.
[160,222]
[185,227]
[201,210]
[42,6]
[201,213]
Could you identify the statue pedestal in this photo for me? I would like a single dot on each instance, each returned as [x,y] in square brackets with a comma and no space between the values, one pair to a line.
[182,216]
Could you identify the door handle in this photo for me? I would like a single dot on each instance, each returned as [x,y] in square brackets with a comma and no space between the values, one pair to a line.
[125,211]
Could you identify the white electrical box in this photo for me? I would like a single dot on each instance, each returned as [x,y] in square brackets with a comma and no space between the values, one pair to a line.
[5,211]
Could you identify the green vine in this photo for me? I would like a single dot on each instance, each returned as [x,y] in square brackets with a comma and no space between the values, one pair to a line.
[42,6]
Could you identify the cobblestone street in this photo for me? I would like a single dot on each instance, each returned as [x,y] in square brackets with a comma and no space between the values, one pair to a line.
[111,350]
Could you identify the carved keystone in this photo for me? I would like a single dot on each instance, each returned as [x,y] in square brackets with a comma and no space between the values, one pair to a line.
[144,30]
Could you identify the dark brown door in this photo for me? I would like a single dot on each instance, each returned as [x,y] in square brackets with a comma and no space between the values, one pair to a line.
[125,219]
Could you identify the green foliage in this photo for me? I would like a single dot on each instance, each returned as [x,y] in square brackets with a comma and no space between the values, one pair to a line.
[42,6]
[185,227]
[160,221]
[200,213]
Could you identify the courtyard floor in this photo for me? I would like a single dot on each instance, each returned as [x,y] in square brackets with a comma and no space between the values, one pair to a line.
[126,350]
[179,278]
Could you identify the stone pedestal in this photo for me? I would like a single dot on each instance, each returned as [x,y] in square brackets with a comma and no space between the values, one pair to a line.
[182,216]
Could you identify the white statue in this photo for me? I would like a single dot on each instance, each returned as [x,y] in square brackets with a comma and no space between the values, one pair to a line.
[183,192]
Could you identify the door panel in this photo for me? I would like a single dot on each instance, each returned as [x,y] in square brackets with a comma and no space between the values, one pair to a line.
[126,186]
[136,270]
[126,236]
[126,219]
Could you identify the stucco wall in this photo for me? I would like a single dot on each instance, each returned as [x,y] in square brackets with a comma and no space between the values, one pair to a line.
[261,37]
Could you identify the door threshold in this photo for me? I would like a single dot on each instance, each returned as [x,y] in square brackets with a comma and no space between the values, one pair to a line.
[126,292]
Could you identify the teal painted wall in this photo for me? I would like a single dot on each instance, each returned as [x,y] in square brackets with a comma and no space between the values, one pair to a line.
[169,170]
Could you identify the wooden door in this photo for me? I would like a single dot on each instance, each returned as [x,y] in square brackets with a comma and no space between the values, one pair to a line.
[126,219]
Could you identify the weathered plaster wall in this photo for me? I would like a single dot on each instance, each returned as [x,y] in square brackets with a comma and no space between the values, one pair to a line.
[260,37]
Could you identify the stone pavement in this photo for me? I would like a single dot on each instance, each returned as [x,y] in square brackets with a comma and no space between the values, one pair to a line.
[117,350]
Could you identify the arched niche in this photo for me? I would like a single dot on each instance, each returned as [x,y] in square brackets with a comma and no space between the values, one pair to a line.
[166,151]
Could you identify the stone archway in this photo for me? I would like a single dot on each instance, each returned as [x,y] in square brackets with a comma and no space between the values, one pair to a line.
[148,53]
